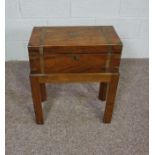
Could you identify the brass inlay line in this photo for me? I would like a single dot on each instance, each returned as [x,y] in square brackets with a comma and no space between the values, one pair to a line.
[108,61]
[41,50]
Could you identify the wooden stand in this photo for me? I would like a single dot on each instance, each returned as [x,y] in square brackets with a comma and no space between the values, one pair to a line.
[108,87]
[74,54]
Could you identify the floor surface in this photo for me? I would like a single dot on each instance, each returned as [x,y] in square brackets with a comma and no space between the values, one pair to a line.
[73,116]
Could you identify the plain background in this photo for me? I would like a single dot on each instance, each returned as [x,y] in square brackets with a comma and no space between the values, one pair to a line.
[130,18]
[151,83]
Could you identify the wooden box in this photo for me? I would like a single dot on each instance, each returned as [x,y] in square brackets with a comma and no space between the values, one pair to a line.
[74,50]
[74,54]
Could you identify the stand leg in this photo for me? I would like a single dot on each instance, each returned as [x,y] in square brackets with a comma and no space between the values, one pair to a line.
[43,92]
[103,91]
[111,94]
[36,96]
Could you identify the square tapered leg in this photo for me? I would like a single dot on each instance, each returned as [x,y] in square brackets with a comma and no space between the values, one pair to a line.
[110,100]
[103,91]
[43,92]
[37,98]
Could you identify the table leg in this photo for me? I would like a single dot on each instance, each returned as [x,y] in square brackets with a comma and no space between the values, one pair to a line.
[43,92]
[103,91]
[36,96]
[111,94]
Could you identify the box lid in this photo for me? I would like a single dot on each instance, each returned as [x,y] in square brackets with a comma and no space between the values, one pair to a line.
[82,37]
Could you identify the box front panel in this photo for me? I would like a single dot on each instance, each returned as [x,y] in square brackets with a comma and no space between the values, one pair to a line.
[81,63]
[47,62]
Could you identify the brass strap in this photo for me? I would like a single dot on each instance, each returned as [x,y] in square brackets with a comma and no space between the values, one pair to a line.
[108,60]
[41,50]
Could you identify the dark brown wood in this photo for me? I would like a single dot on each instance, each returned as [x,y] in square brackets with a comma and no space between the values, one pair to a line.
[76,63]
[73,77]
[74,49]
[84,42]
[103,91]
[43,92]
[110,100]
[74,54]
[86,37]
[36,96]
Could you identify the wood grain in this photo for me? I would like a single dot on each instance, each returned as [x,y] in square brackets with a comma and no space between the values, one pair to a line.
[73,77]
[103,91]
[43,92]
[36,96]
[74,54]
[75,36]
[75,63]
[110,100]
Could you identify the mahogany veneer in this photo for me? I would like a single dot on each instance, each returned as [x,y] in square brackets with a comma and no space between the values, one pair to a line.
[74,54]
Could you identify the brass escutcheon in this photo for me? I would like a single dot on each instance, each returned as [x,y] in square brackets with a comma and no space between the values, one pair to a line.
[76,57]
[73,34]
